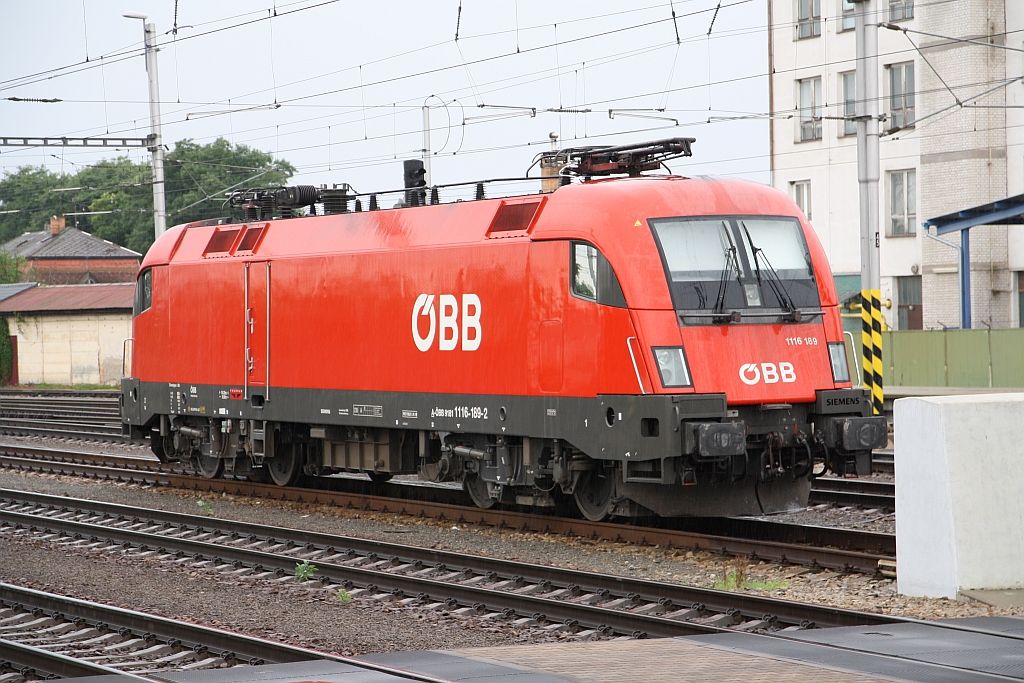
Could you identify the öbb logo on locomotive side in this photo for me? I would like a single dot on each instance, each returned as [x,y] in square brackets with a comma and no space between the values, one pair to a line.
[448,313]
[751,373]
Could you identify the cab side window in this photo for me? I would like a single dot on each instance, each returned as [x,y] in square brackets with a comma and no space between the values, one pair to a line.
[593,277]
[144,291]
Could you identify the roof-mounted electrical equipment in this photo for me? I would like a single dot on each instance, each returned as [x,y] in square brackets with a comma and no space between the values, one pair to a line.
[259,204]
[558,167]
[630,160]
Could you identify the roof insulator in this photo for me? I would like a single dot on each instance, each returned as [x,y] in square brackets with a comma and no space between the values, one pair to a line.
[480,191]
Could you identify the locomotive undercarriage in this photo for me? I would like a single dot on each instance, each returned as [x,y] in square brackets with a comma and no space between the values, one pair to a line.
[755,460]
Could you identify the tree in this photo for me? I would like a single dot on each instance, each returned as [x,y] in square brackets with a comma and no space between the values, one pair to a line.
[28,201]
[196,176]
[195,180]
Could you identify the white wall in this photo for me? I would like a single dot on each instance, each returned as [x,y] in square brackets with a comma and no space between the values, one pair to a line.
[1015,127]
[831,163]
[71,349]
[959,508]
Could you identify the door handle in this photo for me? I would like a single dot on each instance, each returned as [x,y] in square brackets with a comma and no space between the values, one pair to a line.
[249,319]
[249,359]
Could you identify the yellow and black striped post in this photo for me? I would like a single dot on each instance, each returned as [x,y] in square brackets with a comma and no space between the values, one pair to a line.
[871,340]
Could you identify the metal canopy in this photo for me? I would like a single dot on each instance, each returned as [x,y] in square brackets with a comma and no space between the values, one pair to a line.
[1009,211]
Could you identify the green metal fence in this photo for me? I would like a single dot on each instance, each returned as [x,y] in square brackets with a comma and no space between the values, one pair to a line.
[952,358]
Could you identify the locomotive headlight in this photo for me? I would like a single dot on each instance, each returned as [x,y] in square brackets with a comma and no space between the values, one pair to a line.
[672,366]
[840,367]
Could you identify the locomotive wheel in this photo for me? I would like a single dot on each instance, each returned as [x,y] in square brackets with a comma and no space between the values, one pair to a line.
[379,477]
[286,465]
[162,447]
[477,490]
[593,494]
[210,466]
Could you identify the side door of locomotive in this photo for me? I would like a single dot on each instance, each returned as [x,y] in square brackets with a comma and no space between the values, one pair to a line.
[257,330]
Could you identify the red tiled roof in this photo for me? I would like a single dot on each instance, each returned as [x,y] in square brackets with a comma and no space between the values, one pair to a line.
[115,296]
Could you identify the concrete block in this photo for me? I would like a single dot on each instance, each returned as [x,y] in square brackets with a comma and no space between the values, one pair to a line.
[959,508]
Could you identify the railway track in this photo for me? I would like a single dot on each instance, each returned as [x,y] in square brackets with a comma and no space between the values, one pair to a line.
[43,635]
[95,416]
[863,493]
[87,415]
[826,547]
[527,594]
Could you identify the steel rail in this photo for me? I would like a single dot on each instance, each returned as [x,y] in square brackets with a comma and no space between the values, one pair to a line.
[802,534]
[838,558]
[467,579]
[883,461]
[259,650]
[56,455]
[44,662]
[852,499]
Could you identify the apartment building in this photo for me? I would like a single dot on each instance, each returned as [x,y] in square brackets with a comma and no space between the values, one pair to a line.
[953,100]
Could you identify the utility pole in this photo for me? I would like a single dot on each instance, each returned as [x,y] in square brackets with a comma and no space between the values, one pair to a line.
[426,146]
[866,28]
[157,148]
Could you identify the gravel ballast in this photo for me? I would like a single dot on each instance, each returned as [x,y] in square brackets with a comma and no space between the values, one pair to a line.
[849,591]
[307,617]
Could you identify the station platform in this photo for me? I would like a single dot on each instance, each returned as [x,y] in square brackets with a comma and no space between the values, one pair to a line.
[975,650]
[954,651]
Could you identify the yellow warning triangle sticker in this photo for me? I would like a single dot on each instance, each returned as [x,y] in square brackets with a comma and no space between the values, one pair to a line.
[637,224]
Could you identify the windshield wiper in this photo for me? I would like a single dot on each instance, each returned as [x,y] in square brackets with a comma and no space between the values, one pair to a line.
[731,264]
[772,278]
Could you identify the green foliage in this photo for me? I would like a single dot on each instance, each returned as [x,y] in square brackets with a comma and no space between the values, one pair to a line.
[196,177]
[10,267]
[28,191]
[734,577]
[205,506]
[304,571]
[344,596]
[6,351]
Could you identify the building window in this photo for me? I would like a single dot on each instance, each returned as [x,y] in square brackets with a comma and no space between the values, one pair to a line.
[810,108]
[847,21]
[901,9]
[1020,299]
[908,300]
[901,95]
[849,87]
[808,19]
[902,203]
[802,196]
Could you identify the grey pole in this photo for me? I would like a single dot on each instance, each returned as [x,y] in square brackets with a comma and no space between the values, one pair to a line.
[867,140]
[866,26]
[159,205]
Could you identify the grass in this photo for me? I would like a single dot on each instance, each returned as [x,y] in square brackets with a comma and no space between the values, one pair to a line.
[343,595]
[205,506]
[304,571]
[734,577]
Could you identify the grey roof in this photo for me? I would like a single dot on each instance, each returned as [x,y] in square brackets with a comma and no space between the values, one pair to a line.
[71,243]
[7,291]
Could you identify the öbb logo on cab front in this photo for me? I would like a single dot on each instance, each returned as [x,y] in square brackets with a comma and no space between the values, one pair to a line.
[444,322]
[769,373]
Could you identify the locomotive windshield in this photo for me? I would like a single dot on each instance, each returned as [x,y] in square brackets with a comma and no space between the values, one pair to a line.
[724,263]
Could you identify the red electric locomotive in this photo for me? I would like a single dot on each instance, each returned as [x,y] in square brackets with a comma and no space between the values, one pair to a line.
[641,343]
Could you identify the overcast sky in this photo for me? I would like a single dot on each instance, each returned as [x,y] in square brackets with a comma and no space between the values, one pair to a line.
[351,78]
